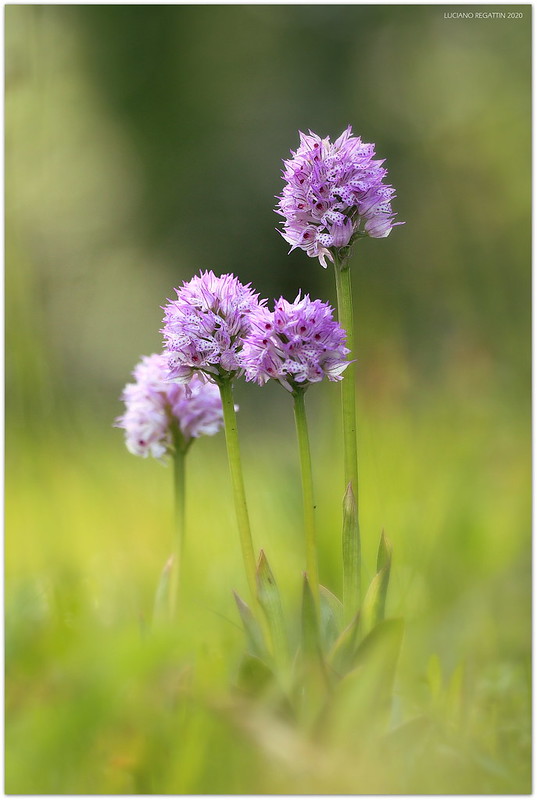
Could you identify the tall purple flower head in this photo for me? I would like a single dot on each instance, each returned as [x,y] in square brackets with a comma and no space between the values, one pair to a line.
[204,328]
[153,403]
[298,344]
[334,192]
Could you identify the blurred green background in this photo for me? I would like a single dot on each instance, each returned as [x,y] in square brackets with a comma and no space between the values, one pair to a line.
[144,143]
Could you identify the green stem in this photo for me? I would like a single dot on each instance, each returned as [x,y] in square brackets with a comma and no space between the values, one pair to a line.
[179,455]
[351,556]
[307,492]
[241,510]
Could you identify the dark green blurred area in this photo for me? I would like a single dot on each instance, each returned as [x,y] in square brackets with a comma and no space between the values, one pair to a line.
[144,143]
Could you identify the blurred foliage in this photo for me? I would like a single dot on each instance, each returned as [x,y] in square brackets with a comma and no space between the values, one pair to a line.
[142,144]
[97,702]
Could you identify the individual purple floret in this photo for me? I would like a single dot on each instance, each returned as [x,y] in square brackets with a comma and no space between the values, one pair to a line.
[153,402]
[333,193]
[205,327]
[298,344]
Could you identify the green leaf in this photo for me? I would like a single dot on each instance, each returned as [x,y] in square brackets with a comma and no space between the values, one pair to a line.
[161,606]
[332,605]
[331,620]
[375,600]
[341,655]
[269,600]
[252,629]
[351,554]
[362,700]
[255,676]
[384,555]
[312,683]
[381,646]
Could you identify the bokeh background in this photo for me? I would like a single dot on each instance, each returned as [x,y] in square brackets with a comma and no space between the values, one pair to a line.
[144,143]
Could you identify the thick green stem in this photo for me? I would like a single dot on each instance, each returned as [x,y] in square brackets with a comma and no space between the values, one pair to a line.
[351,558]
[241,510]
[179,456]
[307,492]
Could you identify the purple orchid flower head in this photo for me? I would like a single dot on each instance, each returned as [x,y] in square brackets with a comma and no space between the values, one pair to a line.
[334,193]
[298,344]
[204,328]
[153,403]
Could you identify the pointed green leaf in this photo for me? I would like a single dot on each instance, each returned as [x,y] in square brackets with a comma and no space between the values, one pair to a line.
[161,607]
[375,599]
[252,629]
[312,673]
[331,617]
[269,600]
[332,604]
[351,554]
[384,555]
[373,605]
[342,652]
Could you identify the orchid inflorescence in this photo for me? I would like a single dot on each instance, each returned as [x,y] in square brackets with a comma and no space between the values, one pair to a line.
[333,193]
[205,327]
[153,404]
[297,344]
[217,330]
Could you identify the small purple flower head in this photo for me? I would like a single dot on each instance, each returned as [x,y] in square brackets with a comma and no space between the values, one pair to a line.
[334,192]
[300,343]
[205,327]
[153,402]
